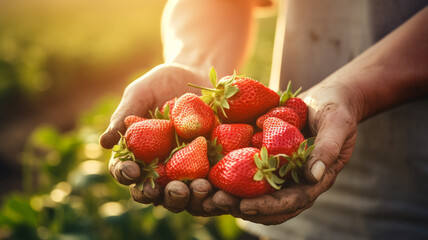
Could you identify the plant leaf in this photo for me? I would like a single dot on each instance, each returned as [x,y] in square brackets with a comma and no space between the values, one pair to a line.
[213,77]
[294,175]
[166,112]
[258,161]
[230,91]
[224,103]
[258,176]
[272,183]
[277,180]
[264,154]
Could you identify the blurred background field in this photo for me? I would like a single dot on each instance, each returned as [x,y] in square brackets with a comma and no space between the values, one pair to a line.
[63,68]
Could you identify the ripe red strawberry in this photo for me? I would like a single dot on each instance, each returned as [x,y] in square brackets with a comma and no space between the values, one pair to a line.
[232,136]
[283,113]
[192,117]
[162,179]
[154,172]
[257,140]
[285,140]
[146,141]
[289,99]
[246,172]
[190,162]
[239,99]
[168,105]
[132,119]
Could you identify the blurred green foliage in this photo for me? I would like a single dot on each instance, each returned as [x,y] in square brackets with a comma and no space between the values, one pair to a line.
[69,194]
[47,45]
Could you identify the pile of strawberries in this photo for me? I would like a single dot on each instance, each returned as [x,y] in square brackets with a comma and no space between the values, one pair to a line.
[243,137]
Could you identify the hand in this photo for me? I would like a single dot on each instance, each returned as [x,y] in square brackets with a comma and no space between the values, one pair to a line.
[154,89]
[332,118]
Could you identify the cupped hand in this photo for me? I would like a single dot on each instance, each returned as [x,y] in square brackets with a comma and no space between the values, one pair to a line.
[332,118]
[151,90]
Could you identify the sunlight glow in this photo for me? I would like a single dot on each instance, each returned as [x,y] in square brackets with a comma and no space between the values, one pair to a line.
[93,150]
[110,209]
[92,167]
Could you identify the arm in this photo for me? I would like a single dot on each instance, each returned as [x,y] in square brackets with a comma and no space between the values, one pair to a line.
[196,35]
[391,72]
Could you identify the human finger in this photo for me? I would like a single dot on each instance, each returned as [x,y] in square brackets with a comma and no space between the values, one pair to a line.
[133,102]
[199,190]
[334,128]
[176,196]
[227,202]
[147,194]
[126,172]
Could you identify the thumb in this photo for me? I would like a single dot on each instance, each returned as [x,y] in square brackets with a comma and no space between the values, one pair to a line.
[335,127]
[133,103]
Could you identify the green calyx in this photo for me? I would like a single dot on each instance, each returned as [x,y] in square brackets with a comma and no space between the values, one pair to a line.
[217,97]
[159,115]
[148,171]
[121,151]
[297,160]
[284,96]
[214,152]
[267,165]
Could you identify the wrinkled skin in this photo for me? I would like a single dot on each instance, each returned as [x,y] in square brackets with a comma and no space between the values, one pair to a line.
[331,118]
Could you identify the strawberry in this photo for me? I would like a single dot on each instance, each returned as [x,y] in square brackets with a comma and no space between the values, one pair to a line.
[257,140]
[146,141]
[239,99]
[168,104]
[132,119]
[283,113]
[286,141]
[192,117]
[154,172]
[232,136]
[289,99]
[246,173]
[162,179]
[189,162]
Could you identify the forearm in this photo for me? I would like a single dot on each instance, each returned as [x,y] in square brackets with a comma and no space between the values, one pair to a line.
[391,72]
[201,34]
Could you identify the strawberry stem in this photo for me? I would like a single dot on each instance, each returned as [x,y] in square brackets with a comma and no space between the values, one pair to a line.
[204,88]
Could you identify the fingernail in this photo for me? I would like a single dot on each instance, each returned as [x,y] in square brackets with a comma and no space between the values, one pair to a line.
[176,196]
[199,193]
[250,212]
[149,196]
[317,170]
[224,208]
[126,176]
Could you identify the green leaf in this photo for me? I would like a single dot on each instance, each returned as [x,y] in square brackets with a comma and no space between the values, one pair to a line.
[213,77]
[224,103]
[294,175]
[272,183]
[206,98]
[302,148]
[277,180]
[158,114]
[311,141]
[258,161]
[166,112]
[297,92]
[273,162]
[264,154]
[230,91]
[258,176]
[308,151]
